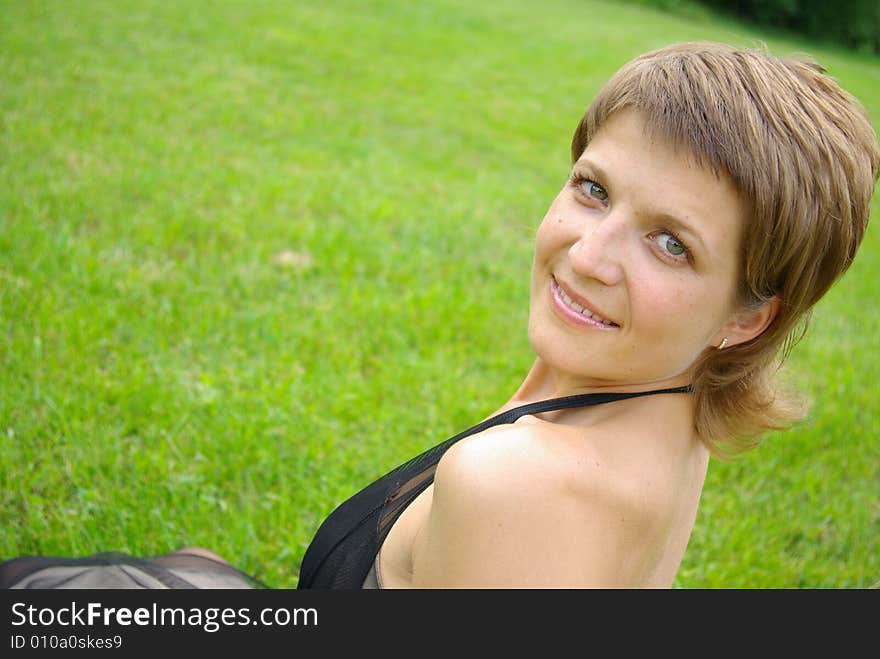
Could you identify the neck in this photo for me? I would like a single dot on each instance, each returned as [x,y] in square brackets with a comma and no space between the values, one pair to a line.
[543,382]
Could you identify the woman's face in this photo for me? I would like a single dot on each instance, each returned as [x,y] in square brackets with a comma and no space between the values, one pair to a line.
[635,263]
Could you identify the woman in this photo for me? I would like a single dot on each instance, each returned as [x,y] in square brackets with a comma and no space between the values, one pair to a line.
[716,194]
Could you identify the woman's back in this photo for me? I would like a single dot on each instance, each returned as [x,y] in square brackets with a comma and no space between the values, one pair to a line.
[599,496]
[505,458]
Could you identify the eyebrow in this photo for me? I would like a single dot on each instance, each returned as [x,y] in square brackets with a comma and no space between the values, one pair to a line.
[670,221]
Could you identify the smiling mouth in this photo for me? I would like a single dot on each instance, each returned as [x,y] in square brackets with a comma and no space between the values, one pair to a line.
[578,312]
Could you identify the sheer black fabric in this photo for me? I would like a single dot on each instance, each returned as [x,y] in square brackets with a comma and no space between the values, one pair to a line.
[120,571]
[343,550]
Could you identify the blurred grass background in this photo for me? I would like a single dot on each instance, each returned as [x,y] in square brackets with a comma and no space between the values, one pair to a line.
[254,254]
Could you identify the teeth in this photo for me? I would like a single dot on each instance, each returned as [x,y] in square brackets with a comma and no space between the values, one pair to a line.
[586,312]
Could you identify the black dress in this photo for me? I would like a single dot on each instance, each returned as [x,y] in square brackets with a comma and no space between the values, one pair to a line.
[341,555]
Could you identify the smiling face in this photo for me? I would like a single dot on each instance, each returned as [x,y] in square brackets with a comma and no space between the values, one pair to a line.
[635,265]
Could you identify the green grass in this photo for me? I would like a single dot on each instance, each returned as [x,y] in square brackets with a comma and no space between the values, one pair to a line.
[254,254]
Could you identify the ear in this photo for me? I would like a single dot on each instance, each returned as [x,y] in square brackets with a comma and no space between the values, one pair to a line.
[746,324]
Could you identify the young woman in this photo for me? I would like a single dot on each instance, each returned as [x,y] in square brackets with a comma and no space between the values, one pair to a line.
[716,194]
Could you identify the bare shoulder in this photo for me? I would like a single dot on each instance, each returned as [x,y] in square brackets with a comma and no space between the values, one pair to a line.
[530,505]
[529,451]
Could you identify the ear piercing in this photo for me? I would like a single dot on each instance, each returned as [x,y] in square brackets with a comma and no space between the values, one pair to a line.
[723,343]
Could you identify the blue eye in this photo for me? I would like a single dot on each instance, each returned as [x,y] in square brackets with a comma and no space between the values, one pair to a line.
[671,244]
[594,190]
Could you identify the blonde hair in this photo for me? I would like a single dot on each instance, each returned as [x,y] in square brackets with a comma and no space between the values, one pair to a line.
[802,154]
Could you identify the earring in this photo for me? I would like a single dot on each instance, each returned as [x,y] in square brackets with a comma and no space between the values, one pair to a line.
[723,343]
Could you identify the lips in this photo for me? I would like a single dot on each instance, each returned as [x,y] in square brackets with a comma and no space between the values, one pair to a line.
[577,309]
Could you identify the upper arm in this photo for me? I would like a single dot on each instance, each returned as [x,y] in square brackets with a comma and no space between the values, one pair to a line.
[504,514]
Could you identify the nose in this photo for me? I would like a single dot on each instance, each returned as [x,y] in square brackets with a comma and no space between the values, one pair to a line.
[600,250]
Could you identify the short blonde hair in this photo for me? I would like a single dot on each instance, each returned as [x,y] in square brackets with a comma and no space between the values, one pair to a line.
[802,154]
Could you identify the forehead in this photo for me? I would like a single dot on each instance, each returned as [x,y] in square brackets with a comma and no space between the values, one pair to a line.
[629,129]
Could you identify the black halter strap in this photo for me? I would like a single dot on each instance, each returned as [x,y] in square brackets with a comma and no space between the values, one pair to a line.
[566,402]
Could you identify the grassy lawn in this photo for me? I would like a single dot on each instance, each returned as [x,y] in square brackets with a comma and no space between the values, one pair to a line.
[254,254]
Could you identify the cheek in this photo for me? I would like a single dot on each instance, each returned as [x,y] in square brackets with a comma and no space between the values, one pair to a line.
[554,232]
[675,306]
[546,239]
